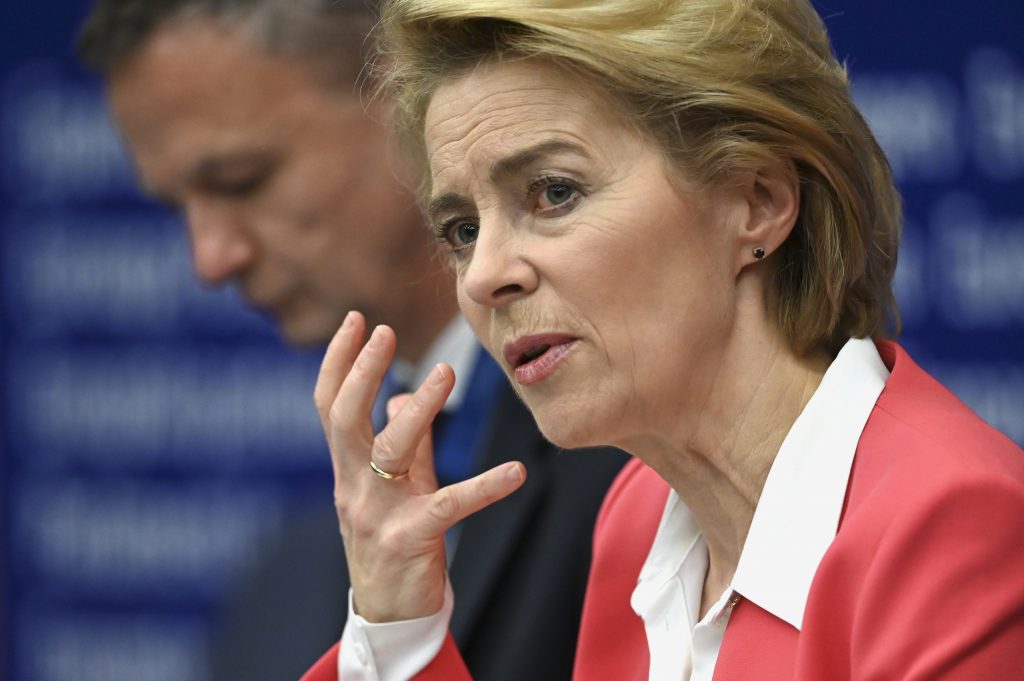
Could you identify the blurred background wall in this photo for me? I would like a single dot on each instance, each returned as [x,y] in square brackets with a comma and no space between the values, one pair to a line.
[153,433]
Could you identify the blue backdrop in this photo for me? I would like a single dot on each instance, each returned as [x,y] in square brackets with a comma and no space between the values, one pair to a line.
[154,432]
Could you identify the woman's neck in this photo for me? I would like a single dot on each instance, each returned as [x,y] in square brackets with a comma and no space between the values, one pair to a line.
[718,460]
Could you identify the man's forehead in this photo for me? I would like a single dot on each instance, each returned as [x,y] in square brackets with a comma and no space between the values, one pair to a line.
[190,107]
[204,64]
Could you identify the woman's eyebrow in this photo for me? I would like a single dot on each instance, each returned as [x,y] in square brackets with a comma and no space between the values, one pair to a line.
[448,202]
[512,165]
[502,169]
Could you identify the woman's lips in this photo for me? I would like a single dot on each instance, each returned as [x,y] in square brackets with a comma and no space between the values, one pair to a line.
[534,358]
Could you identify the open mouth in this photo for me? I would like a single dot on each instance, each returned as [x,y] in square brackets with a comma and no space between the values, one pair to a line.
[532,354]
[534,358]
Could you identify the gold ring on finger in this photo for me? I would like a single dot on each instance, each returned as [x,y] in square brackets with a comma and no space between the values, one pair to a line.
[380,472]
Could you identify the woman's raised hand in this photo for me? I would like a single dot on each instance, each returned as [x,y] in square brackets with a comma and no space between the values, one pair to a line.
[393,528]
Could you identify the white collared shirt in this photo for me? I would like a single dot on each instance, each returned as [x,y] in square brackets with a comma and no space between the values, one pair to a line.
[794,523]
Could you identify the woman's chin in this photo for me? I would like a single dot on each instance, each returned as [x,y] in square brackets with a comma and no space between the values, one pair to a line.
[569,431]
[572,419]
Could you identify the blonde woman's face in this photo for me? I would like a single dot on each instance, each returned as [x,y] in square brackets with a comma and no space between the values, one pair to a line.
[601,286]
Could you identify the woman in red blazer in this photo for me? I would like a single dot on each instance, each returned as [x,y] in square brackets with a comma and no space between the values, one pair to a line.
[676,234]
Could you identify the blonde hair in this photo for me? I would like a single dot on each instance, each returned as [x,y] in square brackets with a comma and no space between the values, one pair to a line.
[723,86]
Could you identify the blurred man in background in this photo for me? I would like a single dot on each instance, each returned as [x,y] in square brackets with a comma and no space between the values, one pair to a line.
[246,116]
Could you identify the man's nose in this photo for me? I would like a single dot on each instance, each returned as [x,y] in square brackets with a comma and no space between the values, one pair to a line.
[221,244]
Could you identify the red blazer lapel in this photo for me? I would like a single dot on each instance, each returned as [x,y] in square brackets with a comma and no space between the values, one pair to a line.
[325,669]
[757,645]
[613,643]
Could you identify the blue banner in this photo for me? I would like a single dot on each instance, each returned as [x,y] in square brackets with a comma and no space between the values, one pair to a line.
[154,432]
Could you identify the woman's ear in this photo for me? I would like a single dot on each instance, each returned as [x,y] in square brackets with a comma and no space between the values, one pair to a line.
[772,196]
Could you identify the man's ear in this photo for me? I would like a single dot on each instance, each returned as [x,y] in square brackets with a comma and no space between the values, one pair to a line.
[772,196]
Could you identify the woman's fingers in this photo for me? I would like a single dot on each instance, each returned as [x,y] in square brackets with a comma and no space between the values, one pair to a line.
[396,446]
[421,473]
[451,504]
[358,390]
[393,529]
[346,389]
[395,549]
[396,403]
[338,358]
[350,413]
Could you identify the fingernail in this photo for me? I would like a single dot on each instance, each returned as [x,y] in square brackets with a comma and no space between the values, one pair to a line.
[392,407]
[349,318]
[514,474]
[437,375]
[376,338]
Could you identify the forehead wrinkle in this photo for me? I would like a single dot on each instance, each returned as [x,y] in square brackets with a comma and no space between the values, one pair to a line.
[494,110]
[514,138]
[475,120]
[478,125]
[485,107]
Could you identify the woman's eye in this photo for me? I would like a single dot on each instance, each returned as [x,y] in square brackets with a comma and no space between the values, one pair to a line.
[557,194]
[464,233]
[554,194]
[458,234]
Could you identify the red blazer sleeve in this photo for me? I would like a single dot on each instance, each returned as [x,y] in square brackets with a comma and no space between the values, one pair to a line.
[447,666]
[941,599]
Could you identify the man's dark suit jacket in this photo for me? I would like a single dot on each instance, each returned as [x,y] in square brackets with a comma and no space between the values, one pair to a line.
[519,572]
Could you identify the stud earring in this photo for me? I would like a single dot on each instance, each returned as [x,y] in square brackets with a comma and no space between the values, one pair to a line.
[759,253]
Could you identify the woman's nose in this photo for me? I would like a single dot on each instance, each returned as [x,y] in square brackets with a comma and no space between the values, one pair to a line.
[499,270]
[221,246]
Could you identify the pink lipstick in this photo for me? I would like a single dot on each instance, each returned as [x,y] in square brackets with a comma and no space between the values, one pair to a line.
[534,358]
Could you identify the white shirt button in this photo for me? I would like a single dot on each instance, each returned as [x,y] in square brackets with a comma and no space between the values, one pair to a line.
[361,654]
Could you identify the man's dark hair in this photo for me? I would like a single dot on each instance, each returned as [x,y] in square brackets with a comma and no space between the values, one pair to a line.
[332,32]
